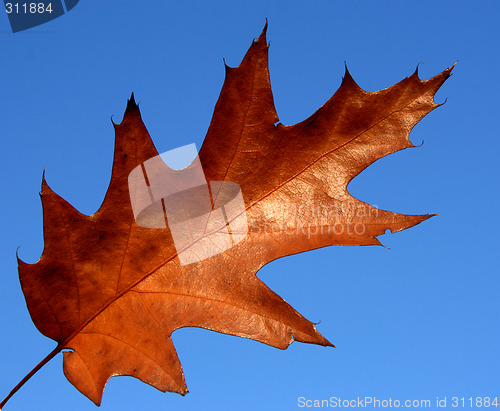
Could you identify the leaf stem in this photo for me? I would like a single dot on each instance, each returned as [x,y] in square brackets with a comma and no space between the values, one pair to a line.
[51,355]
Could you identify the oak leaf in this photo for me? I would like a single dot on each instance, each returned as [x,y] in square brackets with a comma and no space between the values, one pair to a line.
[111,292]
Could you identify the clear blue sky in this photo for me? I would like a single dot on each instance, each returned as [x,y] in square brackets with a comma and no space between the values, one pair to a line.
[417,321]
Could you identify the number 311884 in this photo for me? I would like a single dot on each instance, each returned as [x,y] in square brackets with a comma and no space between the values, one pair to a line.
[26,8]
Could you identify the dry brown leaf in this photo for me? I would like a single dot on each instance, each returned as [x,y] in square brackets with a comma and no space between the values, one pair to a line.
[113,292]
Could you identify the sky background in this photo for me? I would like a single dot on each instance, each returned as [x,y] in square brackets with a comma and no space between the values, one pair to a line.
[417,321]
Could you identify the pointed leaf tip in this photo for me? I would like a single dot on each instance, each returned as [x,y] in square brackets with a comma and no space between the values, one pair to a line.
[45,189]
[415,73]
[450,69]
[346,70]
[262,36]
[447,72]
[131,104]
[348,79]
[44,186]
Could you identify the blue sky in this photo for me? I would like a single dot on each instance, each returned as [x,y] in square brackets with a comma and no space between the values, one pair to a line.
[416,321]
